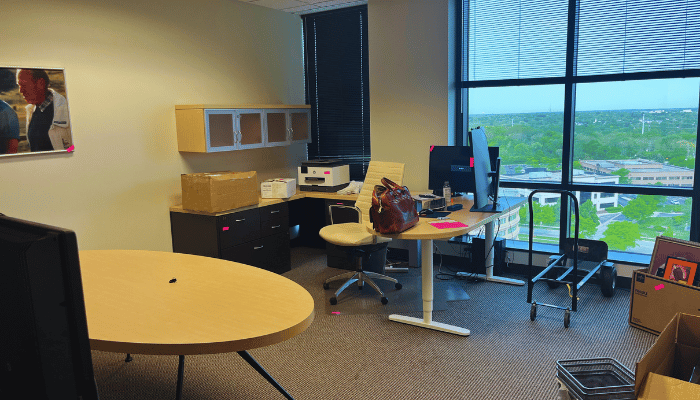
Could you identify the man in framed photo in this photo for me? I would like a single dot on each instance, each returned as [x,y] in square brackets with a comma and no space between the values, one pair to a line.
[9,129]
[48,127]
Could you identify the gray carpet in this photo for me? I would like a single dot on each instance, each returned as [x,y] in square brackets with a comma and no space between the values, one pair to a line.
[363,355]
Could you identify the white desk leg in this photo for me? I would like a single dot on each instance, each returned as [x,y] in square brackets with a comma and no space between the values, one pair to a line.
[490,236]
[427,289]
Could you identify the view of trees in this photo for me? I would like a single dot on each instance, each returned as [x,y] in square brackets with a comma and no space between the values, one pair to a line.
[667,136]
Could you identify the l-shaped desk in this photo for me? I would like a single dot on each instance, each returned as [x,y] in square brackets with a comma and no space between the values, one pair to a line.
[423,233]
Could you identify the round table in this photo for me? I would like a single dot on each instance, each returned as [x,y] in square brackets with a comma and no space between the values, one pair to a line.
[151,302]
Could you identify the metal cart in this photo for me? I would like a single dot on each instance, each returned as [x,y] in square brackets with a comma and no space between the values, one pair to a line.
[593,253]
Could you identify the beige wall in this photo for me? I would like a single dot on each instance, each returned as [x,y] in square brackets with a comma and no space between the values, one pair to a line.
[127,64]
[409,82]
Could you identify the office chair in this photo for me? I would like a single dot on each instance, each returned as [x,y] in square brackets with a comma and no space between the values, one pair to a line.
[355,235]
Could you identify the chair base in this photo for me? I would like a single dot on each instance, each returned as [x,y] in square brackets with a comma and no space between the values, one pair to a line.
[361,277]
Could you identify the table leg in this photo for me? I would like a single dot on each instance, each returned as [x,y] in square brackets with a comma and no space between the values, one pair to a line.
[489,237]
[180,377]
[427,292]
[264,373]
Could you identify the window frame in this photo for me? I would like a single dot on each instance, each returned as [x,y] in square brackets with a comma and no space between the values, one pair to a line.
[570,80]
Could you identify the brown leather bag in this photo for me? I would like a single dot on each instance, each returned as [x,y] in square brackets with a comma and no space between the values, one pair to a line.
[393,209]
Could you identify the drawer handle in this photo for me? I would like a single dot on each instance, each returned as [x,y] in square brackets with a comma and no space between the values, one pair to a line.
[240,220]
[276,226]
[257,248]
[274,211]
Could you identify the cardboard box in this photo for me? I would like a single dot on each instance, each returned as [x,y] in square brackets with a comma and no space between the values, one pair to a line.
[654,301]
[280,188]
[214,192]
[664,370]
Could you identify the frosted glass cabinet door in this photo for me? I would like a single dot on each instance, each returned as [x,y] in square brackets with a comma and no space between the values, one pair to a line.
[250,129]
[220,130]
[300,124]
[277,129]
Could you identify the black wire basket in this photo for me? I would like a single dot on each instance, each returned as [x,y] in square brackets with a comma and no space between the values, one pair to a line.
[596,378]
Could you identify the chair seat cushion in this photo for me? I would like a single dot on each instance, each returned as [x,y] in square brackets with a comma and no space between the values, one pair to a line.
[349,234]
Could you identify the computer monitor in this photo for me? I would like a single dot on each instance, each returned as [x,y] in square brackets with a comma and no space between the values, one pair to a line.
[454,164]
[45,345]
[486,176]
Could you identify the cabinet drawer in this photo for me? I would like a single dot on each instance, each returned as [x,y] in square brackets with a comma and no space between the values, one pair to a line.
[270,253]
[274,226]
[238,227]
[275,211]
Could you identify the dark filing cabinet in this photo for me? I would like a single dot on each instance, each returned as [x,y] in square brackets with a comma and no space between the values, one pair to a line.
[257,236]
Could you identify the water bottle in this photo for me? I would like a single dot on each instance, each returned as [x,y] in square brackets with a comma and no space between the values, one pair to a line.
[447,193]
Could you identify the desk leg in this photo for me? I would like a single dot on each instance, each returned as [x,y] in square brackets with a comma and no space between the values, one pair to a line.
[264,373]
[180,377]
[427,286]
[489,237]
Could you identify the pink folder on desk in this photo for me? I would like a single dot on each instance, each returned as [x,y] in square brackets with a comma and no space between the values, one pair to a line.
[448,224]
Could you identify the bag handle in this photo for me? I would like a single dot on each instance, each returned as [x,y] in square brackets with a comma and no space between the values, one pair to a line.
[390,184]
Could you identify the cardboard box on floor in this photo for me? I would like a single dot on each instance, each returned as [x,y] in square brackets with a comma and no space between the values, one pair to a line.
[214,192]
[654,301]
[665,369]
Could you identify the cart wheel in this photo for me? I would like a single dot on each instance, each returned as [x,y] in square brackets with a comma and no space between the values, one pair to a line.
[334,301]
[607,281]
[533,312]
[552,274]
[325,286]
[398,286]
[567,318]
[384,300]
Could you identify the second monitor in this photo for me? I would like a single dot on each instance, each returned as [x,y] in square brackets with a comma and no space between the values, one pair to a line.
[454,164]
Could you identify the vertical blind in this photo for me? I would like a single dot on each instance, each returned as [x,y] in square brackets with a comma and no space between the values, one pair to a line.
[337,86]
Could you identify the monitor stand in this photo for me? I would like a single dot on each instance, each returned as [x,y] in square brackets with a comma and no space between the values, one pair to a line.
[490,208]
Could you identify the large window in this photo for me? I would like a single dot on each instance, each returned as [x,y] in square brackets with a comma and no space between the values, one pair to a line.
[337,86]
[597,97]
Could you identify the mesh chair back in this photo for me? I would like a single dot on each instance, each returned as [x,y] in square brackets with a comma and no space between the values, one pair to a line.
[376,171]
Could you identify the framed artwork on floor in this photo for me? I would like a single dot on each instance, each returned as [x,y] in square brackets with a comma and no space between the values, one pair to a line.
[679,249]
[680,270]
[34,116]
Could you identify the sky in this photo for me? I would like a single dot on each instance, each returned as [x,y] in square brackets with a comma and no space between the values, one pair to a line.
[649,94]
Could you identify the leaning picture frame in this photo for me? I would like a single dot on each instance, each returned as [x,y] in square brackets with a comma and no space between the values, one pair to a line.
[666,247]
[679,270]
[34,114]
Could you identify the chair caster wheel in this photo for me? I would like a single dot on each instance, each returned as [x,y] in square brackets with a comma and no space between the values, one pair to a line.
[398,286]
[325,286]
[334,301]
[384,300]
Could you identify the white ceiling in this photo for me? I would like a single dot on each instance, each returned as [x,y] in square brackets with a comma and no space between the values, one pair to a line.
[305,6]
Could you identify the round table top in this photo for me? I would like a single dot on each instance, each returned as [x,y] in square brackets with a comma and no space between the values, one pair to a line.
[213,306]
[473,220]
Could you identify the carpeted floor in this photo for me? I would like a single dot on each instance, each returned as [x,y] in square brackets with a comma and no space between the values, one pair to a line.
[360,354]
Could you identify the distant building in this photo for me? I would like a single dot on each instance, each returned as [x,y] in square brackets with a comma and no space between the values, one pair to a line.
[601,201]
[643,172]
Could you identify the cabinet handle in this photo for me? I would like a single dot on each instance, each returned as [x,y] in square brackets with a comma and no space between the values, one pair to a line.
[257,248]
[240,220]
[276,226]
[274,211]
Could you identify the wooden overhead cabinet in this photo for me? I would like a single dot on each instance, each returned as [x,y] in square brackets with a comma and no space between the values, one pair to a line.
[208,129]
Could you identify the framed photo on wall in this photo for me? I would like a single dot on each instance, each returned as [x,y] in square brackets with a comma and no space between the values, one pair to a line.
[34,115]
[681,271]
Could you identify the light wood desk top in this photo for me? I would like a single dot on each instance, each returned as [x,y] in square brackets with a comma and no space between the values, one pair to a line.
[473,220]
[215,306]
[268,202]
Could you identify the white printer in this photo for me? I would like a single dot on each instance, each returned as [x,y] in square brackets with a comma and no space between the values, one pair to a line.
[324,175]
